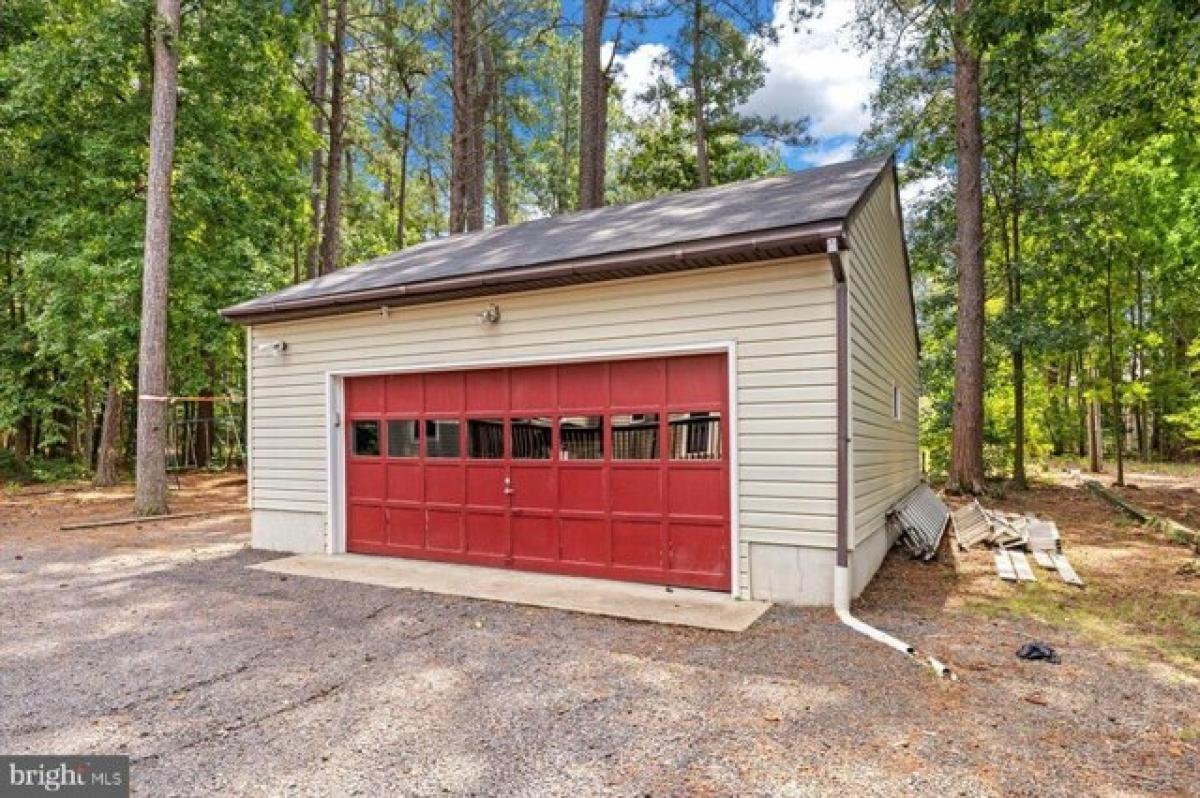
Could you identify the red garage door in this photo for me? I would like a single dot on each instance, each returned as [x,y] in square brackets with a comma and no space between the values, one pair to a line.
[614,470]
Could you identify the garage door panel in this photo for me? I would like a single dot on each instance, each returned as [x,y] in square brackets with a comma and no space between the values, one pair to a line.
[698,548]
[365,479]
[533,488]
[444,530]
[403,482]
[444,392]
[695,382]
[487,533]
[583,386]
[406,527]
[697,491]
[487,391]
[534,389]
[404,393]
[582,488]
[534,538]
[365,395]
[485,486]
[637,544]
[638,384]
[584,540]
[367,522]
[636,490]
[444,484]
[612,470]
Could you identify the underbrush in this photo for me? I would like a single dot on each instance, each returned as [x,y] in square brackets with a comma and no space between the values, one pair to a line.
[38,469]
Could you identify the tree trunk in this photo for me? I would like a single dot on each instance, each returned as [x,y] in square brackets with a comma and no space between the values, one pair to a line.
[320,81]
[593,107]
[461,81]
[501,183]
[1095,438]
[697,78]
[1139,370]
[1082,408]
[331,224]
[477,139]
[108,456]
[150,497]
[402,190]
[1114,378]
[966,462]
[204,429]
[1018,346]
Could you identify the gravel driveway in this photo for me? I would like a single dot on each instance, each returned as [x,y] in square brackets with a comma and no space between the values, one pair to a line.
[158,642]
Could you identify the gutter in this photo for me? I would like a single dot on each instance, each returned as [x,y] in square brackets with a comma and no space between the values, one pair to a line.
[675,257]
[841,570]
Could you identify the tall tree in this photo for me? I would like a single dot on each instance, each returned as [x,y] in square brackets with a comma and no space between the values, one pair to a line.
[317,177]
[332,222]
[966,458]
[150,496]
[594,85]
[466,162]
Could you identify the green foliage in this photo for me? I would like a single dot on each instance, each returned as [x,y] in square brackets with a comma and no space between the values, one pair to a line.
[74,108]
[1090,116]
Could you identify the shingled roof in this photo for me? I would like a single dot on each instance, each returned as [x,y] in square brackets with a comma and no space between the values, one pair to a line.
[792,214]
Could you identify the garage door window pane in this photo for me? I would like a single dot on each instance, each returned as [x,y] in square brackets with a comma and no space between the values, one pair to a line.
[366,438]
[442,438]
[695,436]
[581,437]
[531,438]
[485,438]
[635,437]
[402,437]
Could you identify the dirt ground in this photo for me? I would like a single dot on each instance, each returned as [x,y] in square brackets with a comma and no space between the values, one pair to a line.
[155,640]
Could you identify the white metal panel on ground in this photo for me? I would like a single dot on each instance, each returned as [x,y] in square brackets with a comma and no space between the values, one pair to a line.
[1004,565]
[779,314]
[1021,565]
[1065,570]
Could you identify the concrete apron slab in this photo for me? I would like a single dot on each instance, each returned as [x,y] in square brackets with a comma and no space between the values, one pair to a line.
[682,607]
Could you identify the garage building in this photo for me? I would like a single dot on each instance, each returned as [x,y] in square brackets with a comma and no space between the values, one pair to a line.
[715,389]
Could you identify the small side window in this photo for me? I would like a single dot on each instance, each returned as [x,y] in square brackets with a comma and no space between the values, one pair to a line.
[895,401]
[366,438]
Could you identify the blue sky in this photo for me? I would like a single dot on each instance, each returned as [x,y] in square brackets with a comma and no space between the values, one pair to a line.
[815,72]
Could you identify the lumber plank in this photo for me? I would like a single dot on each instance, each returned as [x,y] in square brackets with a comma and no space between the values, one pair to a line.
[1043,559]
[1021,566]
[136,519]
[1004,566]
[1065,571]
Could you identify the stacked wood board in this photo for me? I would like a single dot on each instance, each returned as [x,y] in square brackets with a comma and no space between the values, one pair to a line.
[1011,536]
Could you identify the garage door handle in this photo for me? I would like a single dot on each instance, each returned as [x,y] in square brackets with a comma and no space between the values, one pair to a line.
[508,488]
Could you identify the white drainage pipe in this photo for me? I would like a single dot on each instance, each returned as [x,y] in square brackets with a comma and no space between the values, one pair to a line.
[841,605]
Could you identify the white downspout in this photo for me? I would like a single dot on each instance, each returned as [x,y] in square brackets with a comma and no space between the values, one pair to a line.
[841,569]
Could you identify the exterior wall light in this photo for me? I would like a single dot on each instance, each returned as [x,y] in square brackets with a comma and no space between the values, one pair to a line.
[275,348]
[489,315]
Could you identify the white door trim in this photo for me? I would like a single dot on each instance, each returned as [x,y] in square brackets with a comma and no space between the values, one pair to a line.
[334,415]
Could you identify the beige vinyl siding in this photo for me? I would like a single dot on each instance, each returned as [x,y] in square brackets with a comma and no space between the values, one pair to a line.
[884,454]
[780,315]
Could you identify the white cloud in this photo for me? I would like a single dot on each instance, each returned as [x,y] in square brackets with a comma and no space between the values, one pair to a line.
[915,193]
[817,72]
[835,153]
[637,71]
